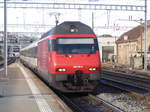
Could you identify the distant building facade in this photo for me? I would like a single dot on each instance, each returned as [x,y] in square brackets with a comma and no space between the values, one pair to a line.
[15,42]
[12,44]
[107,47]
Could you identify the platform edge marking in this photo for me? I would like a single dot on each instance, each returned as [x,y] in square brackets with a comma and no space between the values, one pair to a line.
[41,102]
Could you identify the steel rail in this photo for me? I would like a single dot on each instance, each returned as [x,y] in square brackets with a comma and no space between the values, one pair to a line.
[100,103]
[141,78]
[70,103]
[107,104]
[144,94]
[138,81]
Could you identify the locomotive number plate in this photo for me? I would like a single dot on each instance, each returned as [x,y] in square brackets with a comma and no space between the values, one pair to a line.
[77,66]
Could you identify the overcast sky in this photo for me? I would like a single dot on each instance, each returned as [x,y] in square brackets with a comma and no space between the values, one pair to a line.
[101,18]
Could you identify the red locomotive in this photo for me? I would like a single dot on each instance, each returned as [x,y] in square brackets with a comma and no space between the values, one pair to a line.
[66,57]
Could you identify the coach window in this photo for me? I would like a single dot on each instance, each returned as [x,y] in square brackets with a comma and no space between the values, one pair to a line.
[51,45]
[26,52]
[29,52]
[32,52]
[35,53]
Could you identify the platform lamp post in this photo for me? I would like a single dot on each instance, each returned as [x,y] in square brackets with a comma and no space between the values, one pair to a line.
[5,38]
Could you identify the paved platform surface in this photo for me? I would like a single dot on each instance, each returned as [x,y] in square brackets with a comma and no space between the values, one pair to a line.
[22,91]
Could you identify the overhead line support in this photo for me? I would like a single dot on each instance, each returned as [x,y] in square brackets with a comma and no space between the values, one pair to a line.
[73,6]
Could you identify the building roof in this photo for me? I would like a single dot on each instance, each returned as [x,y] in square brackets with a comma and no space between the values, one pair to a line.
[131,35]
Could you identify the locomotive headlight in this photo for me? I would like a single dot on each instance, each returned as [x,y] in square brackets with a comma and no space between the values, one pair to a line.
[92,69]
[61,70]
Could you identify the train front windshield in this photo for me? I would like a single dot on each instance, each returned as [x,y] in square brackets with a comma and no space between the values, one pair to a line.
[76,46]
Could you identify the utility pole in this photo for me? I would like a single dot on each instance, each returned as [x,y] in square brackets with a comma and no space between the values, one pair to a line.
[145,37]
[108,17]
[79,14]
[5,38]
[93,20]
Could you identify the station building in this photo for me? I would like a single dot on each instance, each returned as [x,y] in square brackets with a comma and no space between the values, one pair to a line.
[130,47]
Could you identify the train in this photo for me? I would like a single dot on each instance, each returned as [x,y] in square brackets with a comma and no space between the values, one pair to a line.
[66,57]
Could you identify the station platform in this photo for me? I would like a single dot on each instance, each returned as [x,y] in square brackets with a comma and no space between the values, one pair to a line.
[22,91]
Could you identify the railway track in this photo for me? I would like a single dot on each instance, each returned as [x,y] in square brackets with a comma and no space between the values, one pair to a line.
[138,81]
[89,103]
[86,103]
[123,99]
[108,100]
[135,84]
[118,94]
[10,60]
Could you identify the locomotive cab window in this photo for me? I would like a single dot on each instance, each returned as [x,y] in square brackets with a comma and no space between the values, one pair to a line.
[76,45]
